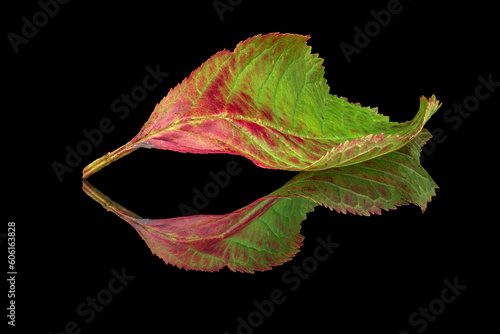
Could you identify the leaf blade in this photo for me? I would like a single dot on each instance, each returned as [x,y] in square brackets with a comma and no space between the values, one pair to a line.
[268,101]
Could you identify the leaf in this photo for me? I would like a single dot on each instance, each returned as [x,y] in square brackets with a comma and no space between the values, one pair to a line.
[256,237]
[268,101]
[266,232]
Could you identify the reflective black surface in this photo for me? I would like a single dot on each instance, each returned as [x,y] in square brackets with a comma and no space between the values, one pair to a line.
[81,269]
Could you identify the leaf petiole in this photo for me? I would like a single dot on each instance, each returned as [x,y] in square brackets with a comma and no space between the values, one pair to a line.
[107,203]
[107,159]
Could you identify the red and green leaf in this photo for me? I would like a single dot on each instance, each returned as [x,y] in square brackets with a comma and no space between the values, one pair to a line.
[266,232]
[268,101]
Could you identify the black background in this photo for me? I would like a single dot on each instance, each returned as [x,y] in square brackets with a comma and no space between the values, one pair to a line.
[64,80]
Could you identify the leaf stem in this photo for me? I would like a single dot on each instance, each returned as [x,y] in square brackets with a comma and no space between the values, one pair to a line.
[107,159]
[107,203]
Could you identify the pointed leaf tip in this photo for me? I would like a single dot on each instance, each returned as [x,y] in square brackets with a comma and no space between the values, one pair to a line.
[431,105]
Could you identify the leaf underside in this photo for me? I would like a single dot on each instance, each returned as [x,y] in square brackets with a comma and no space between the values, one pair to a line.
[266,232]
